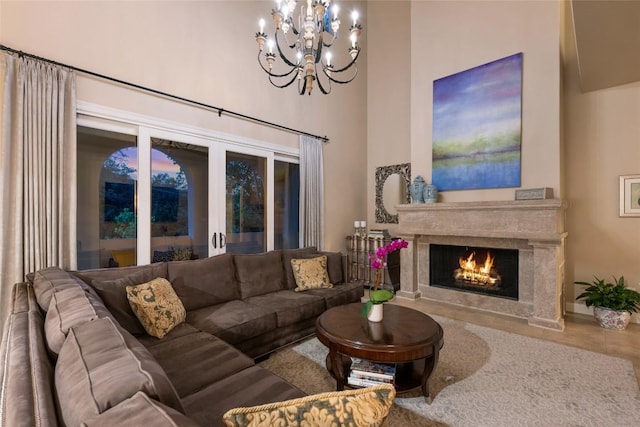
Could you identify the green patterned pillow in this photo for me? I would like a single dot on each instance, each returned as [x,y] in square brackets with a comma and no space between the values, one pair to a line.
[157,306]
[311,273]
[365,407]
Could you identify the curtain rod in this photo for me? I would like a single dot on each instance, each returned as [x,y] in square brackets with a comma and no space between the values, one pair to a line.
[220,110]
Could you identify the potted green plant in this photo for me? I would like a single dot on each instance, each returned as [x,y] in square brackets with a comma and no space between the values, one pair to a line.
[372,309]
[613,302]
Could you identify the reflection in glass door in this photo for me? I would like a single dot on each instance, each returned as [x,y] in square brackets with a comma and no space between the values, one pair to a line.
[179,195]
[245,203]
[107,164]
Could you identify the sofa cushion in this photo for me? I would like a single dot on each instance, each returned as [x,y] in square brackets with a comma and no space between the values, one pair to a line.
[68,308]
[101,365]
[334,266]
[259,274]
[343,293]
[366,407]
[194,361]
[204,282]
[311,273]
[156,306]
[251,386]
[288,255]
[233,321]
[140,410]
[182,329]
[290,307]
[114,295]
[49,280]
[154,270]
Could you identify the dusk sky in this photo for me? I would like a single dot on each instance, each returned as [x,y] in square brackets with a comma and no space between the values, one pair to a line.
[482,101]
[159,162]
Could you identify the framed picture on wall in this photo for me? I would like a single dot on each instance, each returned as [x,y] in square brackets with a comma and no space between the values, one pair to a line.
[477,127]
[629,195]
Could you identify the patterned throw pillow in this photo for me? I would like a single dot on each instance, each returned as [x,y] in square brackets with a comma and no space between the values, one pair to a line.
[163,256]
[366,407]
[157,306]
[182,254]
[311,273]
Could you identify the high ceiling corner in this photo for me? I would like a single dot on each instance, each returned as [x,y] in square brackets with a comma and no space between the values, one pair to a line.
[607,41]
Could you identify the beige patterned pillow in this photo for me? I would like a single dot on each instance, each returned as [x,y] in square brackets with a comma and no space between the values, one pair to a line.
[311,273]
[366,407]
[157,306]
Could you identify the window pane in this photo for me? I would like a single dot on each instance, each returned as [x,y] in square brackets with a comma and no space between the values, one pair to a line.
[245,204]
[107,180]
[179,194]
[286,205]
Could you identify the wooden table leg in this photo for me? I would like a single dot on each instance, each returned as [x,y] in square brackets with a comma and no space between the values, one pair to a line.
[336,367]
[430,365]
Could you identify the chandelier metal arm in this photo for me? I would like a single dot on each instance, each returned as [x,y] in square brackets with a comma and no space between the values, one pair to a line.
[322,89]
[293,78]
[350,64]
[281,54]
[333,39]
[324,71]
[266,70]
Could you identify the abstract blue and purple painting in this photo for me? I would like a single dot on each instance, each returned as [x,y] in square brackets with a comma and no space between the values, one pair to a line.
[477,127]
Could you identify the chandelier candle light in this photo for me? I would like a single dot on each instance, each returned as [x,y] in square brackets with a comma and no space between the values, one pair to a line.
[315,28]
[372,309]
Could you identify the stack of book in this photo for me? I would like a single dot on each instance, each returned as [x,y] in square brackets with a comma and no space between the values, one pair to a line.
[365,373]
[379,233]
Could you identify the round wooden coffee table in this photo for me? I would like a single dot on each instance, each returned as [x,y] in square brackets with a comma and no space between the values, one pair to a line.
[406,337]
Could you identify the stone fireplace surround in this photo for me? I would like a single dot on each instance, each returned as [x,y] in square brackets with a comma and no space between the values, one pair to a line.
[536,228]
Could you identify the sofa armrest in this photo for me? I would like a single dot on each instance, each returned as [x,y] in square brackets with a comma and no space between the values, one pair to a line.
[26,374]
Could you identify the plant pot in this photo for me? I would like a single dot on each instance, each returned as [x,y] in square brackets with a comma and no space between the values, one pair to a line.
[375,314]
[611,319]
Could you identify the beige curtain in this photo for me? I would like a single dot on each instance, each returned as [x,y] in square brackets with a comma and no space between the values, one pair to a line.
[37,170]
[311,192]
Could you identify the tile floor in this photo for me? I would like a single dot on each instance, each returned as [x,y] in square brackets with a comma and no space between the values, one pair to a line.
[580,331]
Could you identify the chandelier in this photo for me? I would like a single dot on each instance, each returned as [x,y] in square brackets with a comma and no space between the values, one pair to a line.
[299,42]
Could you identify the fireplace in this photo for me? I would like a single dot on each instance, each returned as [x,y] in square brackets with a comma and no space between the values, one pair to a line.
[528,235]
[481,270]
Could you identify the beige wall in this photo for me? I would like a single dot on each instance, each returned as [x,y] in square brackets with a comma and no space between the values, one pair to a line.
[602,142]
[205,51]
[451,36]
[388,93]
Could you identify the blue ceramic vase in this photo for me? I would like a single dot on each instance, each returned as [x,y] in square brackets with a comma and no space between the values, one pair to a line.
[417,190]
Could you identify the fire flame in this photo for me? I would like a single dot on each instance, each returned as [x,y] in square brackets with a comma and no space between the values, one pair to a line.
[481,273]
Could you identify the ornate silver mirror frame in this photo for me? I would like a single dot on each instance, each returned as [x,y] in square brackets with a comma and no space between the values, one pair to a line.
[382,173]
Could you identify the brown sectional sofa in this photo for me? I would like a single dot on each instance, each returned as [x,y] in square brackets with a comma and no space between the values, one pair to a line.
[74,354]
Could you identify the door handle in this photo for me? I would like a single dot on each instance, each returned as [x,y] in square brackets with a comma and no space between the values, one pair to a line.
[214,240]
[223,240]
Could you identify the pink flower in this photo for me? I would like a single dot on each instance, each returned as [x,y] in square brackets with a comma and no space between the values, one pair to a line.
[378,260]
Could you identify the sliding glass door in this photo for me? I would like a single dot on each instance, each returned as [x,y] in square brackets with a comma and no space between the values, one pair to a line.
[149,195]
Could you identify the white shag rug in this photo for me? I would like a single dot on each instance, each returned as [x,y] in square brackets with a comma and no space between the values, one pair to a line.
[487,377]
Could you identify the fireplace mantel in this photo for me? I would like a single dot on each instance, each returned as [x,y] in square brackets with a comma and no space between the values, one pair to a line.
[535,227]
